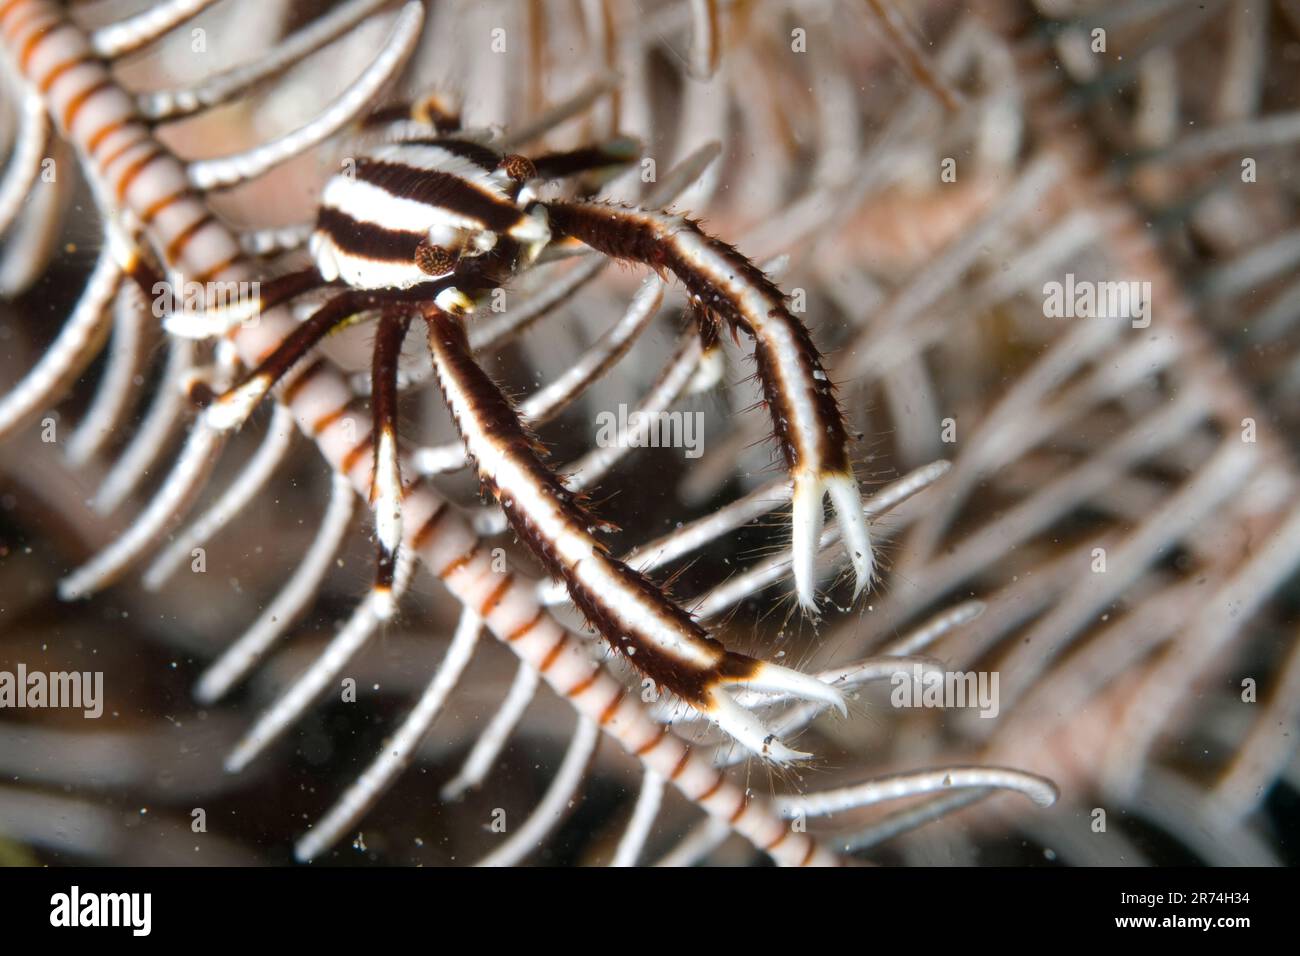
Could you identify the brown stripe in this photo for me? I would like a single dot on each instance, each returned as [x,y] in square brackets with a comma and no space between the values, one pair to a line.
[52,77]
[717,785]
[458,563]
[612,707]
[558,165]
[177,246]
[740,809]
[351,458]
[148,215]
[785,832]
[651,744]
[437,188]
[628,234]
[122,150]
[812,850]
[430,523]
[36,39]
[524,629]
[553,653]
[366,239]
[293,388]
[583,684]
[482,156]
[77,102]
[207,275]
[681,764]
[266,353]
[135,169]
[325,421]
[8,7]
[387,115]
[495,597]
[13,29]
[97,138]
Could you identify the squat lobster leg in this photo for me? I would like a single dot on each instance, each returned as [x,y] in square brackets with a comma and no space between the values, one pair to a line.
[806,417]
[632,614]
[231,409]
[386,487]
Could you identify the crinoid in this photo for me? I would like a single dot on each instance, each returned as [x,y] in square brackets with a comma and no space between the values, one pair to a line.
[428,220]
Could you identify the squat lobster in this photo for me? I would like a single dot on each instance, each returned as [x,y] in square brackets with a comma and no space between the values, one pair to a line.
[433,219]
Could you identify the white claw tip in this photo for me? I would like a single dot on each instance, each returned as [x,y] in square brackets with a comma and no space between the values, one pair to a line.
[709,372]
[807,517]
[454,302]
[775,679]
[232,409]
[779,753]
[806,526]
[856,534]
[748,731]
[384,603]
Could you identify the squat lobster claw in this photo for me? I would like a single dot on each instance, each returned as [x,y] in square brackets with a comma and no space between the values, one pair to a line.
[806,418]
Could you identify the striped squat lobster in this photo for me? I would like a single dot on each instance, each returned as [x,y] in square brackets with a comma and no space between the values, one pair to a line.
[432,219]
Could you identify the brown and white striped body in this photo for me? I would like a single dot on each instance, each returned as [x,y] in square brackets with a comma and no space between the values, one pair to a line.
[408,213]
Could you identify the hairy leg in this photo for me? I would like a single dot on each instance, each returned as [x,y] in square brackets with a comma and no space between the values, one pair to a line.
[806,418]
[633,614]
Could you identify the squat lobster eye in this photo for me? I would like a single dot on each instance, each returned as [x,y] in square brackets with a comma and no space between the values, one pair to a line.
[519,168]
[434,260]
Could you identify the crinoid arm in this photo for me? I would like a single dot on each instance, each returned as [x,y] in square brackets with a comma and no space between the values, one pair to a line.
[633,615]
[806,418]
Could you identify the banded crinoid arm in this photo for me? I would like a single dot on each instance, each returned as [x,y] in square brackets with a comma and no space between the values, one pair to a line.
[633,614]
[806,418]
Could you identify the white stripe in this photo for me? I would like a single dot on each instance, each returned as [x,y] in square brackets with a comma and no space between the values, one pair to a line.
[363,273]
[368,203]
[437,159]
